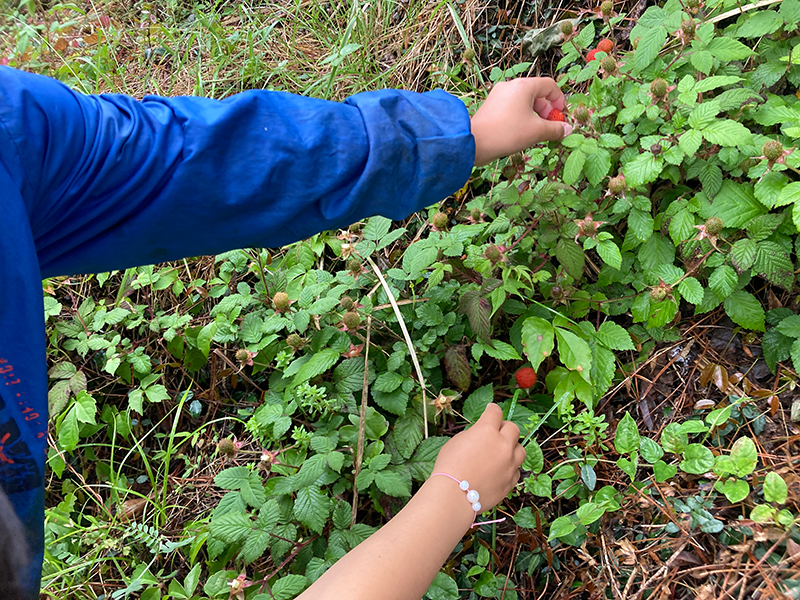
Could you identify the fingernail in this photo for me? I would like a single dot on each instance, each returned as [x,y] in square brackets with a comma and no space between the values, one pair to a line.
[567,129]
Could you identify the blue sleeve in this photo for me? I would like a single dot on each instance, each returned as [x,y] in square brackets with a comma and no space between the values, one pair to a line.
[110,182]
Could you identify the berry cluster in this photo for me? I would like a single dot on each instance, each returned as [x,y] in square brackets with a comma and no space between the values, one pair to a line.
[604,45]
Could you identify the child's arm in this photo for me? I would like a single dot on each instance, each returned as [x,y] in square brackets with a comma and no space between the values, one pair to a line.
[400,560]
[514,117]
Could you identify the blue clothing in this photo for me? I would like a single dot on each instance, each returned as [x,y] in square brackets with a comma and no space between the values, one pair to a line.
[95,183]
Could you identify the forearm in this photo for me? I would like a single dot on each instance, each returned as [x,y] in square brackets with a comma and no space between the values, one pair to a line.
[400,560]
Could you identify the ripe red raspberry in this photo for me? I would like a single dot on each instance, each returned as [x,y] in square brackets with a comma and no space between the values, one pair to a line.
[526,377]
[605,45]
[590,56]
[556,115]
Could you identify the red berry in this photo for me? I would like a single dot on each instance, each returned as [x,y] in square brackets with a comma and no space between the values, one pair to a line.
[590,56]
[605,45]
[526,377]
[556,115]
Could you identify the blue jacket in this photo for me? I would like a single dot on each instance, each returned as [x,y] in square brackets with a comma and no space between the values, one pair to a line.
[95,183]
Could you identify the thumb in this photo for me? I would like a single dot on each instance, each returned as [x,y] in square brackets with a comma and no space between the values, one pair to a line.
[551,131]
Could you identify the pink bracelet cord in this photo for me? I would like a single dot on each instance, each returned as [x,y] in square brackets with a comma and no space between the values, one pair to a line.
[472,497]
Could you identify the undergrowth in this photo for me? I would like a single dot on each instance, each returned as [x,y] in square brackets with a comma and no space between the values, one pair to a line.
[205,414]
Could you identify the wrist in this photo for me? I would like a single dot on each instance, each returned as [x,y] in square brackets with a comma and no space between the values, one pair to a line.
[450,501]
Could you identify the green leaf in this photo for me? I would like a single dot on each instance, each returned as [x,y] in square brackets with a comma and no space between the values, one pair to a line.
[574,352]
[641,224]
[697,459]
[626,438]
[312,508]
[790,326]
[789,194]
[408,433]
[614,336]
[643,169]
[762,513]
[395,402]
[726,132]
[573,167]
[735,204]
[771,188]
[231,527]
[743,254]
[589,477]
[560,527]
[674,439]
[629,467]
[776,346]
[775,489]
[571,257]
[650,44]
[597,166]
[691,290]
[537,340]
[317,365]
[650,450]
[534,460]
[589,512]
[541,485]
[723,281]
[501,351]
[743,456]
[478,400]
[376,228]
[759,24]
[727,49]
[656,252]
[795,353]
[703,114]
[288,587]
[610,253]
[388,382]
[443,587]
[232,478]
[393,483]
[662,471]
[690,141]
[745,310]
[68,431]
[735,490]
[773,264]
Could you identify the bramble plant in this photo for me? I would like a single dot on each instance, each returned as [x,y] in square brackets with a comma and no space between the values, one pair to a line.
[315,384]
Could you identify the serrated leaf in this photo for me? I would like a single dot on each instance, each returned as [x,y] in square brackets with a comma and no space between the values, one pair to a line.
[795,353]
[376,228]
[317,365]
[723,281]
[745,310]
[573,167]
[691,290]
[231,527]
[457,367]
[477,401]
[643,169]
[759,24]
[789,194]
[770,189]
[597,166]
[501,351]
[387,382]
[312,507]
[650,43]
[773,264]
[727,49]
[690,141]
[641,224]
[288,587]
[534,460]
[703,114]
[571,257]
[610,253]
[408,433]
[479,313]
[743,253]
[393,483]
[681,226]
[726,132]
[614,336]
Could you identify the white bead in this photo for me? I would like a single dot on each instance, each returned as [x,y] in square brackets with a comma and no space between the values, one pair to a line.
[476,507]
[464,485]
[473,496]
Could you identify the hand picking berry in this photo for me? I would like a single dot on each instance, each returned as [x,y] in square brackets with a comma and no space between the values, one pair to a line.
[556,115]
[526,377]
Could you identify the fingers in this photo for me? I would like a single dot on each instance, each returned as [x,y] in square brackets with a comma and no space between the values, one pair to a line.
[519,455]
[492,416]
[509,430]
[550,131]
[542,88]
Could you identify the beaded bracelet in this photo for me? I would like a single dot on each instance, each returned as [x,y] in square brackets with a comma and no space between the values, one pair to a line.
[473,497]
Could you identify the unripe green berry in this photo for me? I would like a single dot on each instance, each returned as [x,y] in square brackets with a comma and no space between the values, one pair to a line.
[227,448]
[439,220]
[694,4]
[354,265]
[346,303]
[606,8]
[772,150]
[469,55]
[566,28]
[656,149]
[608,64]
[351,320]
[616,185]
[556,292]
[713,225]
[492,253]
[688,28]
[475,213]
[294,341]
[581,113]
[658,88]
[657,294]
[280,301]
[242,355]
